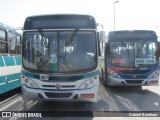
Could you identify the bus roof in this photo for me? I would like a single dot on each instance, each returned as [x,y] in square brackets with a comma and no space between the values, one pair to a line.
[60,21]
[2,25]
[132,35]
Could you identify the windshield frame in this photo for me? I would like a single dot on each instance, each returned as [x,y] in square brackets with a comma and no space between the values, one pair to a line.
[59,31]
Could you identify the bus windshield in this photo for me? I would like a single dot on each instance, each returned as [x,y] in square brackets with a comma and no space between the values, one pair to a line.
[59,51]
[133,54]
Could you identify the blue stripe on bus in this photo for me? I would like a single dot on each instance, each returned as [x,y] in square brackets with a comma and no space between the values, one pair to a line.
[36,75]
[18,60]
[12,85]
[1,62]
[8,78]
[9,60]
[13,77]
[2,79]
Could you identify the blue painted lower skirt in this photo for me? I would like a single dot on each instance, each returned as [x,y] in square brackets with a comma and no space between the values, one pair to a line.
[9,82]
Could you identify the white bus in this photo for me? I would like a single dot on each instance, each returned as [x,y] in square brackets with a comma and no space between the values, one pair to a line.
[60,58]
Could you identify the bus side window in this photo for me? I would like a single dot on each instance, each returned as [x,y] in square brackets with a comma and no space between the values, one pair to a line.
[3,42]
[18,45]
[12,43]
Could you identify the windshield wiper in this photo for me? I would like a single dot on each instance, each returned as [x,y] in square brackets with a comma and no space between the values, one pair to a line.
[124,46]
[72,37]
[43,39]
[141,45]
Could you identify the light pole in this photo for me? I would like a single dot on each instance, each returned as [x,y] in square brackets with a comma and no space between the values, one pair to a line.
[114,12]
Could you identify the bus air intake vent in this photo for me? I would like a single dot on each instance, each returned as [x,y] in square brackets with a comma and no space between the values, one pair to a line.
[63,86]
[58,95]
[134,81]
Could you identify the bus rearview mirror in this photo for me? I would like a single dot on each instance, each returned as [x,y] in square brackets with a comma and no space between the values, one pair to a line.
[102,36]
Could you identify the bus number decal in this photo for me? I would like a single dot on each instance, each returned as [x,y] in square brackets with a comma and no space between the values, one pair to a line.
[44,77]
[53,58]
[145,61]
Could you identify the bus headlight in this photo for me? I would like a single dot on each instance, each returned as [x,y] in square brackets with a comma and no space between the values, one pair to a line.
[87,84]
[154,74]
[26,80]
[29,83]
[113,74]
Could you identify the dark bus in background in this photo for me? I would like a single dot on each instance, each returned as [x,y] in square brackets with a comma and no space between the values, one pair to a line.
[131,58]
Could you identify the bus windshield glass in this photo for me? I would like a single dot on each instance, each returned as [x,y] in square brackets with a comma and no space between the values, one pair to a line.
[133,54]
[62,51]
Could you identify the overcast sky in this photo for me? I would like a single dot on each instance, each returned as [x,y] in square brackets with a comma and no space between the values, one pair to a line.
[129,14]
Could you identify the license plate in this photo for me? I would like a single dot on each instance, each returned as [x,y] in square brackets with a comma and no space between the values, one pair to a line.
[90,95]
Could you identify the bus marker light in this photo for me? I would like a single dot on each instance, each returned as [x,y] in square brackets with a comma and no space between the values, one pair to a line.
[88,95]
[23,76]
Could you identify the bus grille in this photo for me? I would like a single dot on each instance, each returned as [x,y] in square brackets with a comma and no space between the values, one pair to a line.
[134,74]
[134,71]
[134,81]
[63,86]
[58,95]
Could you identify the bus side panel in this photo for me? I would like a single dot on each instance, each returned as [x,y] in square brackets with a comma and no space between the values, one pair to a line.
[18,60]
[9,74]
[9,86]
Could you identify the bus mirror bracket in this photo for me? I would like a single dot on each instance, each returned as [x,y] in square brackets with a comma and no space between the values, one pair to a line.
[19,29]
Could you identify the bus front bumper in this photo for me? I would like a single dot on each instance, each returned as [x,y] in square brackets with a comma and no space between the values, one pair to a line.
[111,81]
[85,95]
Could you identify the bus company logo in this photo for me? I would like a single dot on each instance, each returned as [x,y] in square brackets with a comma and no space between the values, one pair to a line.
[58,86]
